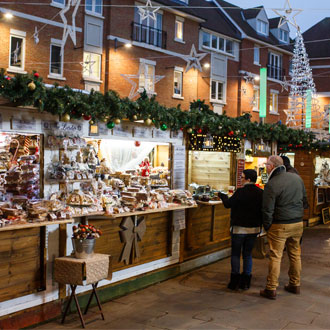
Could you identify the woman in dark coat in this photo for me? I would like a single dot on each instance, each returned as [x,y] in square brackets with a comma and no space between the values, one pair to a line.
[246,221]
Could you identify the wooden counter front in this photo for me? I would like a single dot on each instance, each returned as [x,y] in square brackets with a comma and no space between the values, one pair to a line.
[207,230]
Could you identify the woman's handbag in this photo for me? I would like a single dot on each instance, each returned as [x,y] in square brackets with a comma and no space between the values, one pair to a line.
[259,248]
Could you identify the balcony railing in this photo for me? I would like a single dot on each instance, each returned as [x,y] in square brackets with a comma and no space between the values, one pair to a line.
[275,72]
[148,35]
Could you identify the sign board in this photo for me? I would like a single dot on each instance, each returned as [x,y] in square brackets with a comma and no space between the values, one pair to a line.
[178,167]
[179,222]
[159,134]
[124,129]
[23,124]
[64,127]
[141,131]
[326,215]
[240,169]
[103,129]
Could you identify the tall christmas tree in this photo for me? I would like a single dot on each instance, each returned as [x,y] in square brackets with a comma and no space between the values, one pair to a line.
[303,104]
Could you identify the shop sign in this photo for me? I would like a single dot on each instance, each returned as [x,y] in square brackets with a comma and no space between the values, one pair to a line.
[177,135]
[178,166]
[23,124]
[73,128]
[103,129]
[142,132]
[163,135]
[204,142]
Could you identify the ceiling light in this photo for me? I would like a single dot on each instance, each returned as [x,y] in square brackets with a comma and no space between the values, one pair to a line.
[206,65]
[9,15]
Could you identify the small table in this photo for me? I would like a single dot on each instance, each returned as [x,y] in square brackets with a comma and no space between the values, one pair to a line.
[72,271]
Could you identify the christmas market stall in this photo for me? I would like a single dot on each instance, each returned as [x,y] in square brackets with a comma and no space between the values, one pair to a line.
[212,163]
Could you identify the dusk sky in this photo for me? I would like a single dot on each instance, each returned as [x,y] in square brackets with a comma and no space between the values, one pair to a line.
[313,11]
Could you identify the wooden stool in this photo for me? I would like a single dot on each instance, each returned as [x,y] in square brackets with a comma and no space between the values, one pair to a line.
[72,271]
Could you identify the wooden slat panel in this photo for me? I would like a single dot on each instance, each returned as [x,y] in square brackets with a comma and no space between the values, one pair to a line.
[153,246]
[20,271]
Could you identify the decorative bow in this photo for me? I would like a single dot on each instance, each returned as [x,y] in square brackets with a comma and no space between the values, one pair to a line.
[133,231]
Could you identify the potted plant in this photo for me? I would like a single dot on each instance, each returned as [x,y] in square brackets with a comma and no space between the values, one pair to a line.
[83,240]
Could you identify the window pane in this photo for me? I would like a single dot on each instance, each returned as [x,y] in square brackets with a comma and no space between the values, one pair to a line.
[59,1]
[221,44]
[149,76]
[229,46]
[214,42]
[55,60]
[16,54]
[179,30]
[271,106]
[275,103]
[89,5]
[177,83]
[98,6]
[256,54]
[213,90]
[142,76]
[206,39]
[220,91]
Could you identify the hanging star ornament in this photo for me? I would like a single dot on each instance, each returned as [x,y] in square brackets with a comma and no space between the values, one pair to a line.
[285,84]
[290,117]
[287,15]
[193,59]
[249,78]
[148,11]
[87,65]
[36,35]
[69,30]
[133,79]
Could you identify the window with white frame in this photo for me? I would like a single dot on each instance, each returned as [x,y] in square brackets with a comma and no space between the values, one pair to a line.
[179,21]
[256,55]
[17,50]
[177,82]
[93,6]
[284,35]
[214,42]
[262,27]
[58,3]
[147,76]
[274,66]
[56,60]
[256,98]
[217,90]
[92,66]
[273,101]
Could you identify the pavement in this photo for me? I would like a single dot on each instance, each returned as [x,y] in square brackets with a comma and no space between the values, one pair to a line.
[200,299]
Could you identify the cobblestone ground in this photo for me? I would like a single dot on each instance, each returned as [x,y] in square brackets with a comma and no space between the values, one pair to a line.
[200,299]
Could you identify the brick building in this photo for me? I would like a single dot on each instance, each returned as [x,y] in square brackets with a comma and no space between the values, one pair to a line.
[116,48]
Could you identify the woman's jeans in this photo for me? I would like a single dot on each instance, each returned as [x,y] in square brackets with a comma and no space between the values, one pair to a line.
[242,243]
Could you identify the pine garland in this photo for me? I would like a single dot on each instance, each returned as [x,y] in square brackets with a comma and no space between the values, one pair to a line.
[108,107]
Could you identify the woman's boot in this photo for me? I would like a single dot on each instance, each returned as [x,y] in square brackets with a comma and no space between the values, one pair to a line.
[234,281]
[245,281]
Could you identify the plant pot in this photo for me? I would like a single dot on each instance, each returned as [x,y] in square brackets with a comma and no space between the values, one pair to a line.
[83,248]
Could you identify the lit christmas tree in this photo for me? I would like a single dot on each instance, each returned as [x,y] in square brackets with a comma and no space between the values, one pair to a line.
[303,109]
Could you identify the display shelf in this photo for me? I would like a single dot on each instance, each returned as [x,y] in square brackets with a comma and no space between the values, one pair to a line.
[34,224]
[51,181]
[323,187]
[167,209]
[89,215]
[209,202]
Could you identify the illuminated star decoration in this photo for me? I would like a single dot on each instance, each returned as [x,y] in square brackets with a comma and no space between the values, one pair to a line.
[88,65]
[36,35]
[248,77]
[148,11]
[16,52]
[290,117]
[285,15]
[285,85]
[134,89]
[193,59]
[69,30]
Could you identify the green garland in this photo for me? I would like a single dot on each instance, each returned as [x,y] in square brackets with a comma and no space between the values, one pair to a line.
[29,90]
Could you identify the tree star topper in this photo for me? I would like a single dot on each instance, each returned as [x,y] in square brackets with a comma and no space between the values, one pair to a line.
[148,11]
[193,59]
[69,29]
[285,16]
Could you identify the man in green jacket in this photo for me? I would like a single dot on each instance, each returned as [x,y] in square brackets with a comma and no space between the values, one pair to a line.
[283,210]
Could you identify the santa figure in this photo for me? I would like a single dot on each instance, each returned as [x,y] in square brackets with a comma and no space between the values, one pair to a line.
[145,167]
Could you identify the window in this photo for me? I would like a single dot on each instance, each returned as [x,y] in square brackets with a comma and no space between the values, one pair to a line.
[217,43]
[255,100]
[256,55]
[216,90]
[92,66]
[56,62]
[147,76]
[58,3]
[94,6]
[273,101]
[284,35]
[177,86]
[179,29]
[17,50]
[262,27]
[275,66]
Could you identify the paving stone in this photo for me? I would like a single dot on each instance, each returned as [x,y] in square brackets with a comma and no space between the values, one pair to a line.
[293,325]
[322,321]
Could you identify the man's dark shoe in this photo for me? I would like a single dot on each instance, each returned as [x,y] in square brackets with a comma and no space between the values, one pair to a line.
[270,294]
[292,289]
